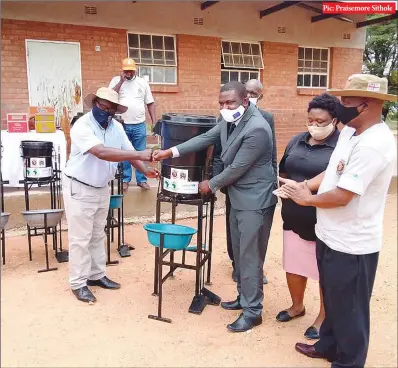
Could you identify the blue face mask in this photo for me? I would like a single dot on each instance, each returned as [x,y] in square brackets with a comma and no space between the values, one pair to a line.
[102,117]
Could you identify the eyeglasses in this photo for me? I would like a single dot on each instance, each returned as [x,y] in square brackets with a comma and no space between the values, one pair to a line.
[105,108]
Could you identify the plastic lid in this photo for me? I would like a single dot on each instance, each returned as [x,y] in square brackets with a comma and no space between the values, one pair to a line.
[189,119]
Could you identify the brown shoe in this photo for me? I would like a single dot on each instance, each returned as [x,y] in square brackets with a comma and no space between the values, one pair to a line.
[125,187]
[144,186]
[308,350]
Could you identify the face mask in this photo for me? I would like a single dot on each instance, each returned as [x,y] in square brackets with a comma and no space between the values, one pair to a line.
[346,114]
[320,133]
[101,116]
[253,100]
[232,115]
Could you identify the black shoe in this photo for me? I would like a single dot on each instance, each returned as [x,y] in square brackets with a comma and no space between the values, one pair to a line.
[104,283]
[285,317]
[265,281]
[312,333]
[235,305]
[84,294]
[243,323]
[234,275]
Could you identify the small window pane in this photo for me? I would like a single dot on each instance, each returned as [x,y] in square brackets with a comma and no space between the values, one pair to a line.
[301,53]
[308,54]
[237,60]
[254,75]
[244,77]
[300,80]
[300,69]
[228,59]
[323,81]
[246,48]
[315,81]
[169,43]
[134,54]
[248,61]
[226,47]
[145,41]
[133,40]
[316,64]
[145,71]
[158,75]
[300,63]
[307,80]
[324,66]
[224,76]
[146,57]
[233,76]
[170,58]
[158,57]
[256,49]
[170,75]
[324,55]
[257,61]
[317,54]
[157,42]
[236,48]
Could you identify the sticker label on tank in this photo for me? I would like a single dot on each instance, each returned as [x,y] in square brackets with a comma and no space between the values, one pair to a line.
[179,174]
[37,162]
[182,187]
[32,172]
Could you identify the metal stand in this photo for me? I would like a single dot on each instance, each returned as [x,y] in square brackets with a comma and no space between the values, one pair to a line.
[46,246]
[203,250]
[116,221]
[55,203]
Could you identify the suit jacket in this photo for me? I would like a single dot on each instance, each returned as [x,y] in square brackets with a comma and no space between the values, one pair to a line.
[247,160]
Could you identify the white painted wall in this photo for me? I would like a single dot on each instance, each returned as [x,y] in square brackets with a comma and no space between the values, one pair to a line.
[236,20]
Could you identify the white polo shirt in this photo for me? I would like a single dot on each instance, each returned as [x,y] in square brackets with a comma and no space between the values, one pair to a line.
[135,94]
[85,134]
[363,165]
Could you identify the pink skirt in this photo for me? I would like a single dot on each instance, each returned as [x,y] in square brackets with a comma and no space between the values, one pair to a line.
[299,256]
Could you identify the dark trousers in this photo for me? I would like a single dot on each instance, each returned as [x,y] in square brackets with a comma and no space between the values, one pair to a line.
[228,228]
[347,282]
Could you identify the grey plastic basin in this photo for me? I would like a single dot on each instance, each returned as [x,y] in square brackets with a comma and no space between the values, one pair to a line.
[4,219]
[36,218]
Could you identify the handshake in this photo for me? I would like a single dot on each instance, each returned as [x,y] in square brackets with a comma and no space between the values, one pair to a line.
[155,155]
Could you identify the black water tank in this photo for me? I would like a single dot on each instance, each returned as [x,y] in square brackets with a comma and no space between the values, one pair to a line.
[38,160]
[181,176]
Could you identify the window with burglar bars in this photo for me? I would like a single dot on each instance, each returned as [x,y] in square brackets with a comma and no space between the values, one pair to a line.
[313,67]
[240,61]
[155,56]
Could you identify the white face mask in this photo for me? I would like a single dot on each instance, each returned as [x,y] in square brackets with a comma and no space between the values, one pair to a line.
[320,133]
[253,100]
[232,115]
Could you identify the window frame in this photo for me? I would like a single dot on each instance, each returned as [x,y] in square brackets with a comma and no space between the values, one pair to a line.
[310,73]
[249,42]
[229,70]
[151,66]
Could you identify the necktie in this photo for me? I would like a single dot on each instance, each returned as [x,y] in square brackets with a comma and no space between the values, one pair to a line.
[231,128]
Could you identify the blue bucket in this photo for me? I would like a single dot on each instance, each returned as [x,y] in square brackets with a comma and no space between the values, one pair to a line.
[176,237]
[116,201]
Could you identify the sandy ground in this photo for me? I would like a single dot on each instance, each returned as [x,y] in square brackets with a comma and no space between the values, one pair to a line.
[43,325]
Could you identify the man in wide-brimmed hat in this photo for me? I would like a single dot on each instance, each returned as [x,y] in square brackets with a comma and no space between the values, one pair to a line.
[98,144]
[350,201]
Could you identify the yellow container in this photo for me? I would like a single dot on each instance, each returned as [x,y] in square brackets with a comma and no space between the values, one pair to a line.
[45,126]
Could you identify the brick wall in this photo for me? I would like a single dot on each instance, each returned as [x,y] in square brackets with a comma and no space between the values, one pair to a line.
[199,71]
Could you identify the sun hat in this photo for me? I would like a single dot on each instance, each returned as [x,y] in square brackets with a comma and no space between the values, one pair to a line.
[108,94]
[365,85]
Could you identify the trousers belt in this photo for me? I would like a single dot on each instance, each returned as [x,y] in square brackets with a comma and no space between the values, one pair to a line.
[87,185]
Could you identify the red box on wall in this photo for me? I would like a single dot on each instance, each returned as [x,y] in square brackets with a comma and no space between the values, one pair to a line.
[17,123]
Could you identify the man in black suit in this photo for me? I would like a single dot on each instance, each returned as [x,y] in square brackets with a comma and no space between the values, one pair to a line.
[254,90]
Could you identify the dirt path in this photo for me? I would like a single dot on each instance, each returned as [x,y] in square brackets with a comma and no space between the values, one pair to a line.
[43,325]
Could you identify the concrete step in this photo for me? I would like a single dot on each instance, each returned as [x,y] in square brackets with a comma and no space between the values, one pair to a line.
[137,202]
